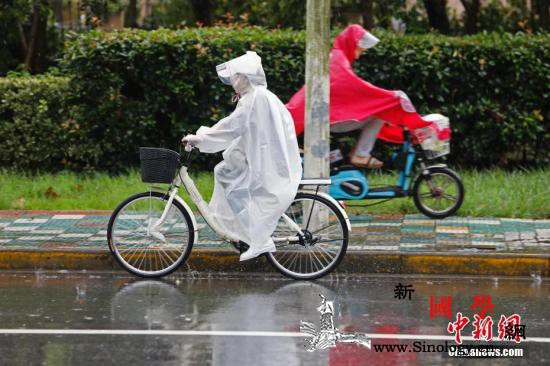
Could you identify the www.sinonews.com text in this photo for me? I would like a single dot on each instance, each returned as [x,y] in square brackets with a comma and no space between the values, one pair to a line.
[452,350]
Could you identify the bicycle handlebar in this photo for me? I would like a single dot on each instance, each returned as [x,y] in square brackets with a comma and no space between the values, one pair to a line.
[188,147]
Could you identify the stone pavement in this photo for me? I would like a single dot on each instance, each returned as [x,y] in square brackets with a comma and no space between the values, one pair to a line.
[81,231]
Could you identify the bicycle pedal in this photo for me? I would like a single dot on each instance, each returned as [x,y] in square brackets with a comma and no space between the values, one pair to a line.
[242,247]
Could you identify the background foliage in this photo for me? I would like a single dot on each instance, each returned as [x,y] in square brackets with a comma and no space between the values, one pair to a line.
[33,31]
[122,90]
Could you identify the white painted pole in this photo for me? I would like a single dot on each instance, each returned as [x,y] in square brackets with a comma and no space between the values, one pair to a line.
[316,133]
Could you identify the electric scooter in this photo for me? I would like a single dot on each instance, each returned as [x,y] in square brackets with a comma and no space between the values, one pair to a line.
[437,191]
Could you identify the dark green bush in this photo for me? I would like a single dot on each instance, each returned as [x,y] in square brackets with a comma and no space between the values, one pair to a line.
[36,132]
[494,88]
[136,88]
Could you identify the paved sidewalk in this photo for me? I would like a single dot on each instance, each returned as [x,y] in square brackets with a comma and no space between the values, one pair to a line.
[382,235]
[87,230]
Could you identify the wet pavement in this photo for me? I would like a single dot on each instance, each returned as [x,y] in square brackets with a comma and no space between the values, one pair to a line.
[111,318]
[84,230]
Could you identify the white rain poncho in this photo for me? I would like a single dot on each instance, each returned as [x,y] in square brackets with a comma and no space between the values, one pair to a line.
[260,172]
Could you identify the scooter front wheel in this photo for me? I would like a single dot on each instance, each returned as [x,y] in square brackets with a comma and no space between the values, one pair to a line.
[320,246]
[438,194]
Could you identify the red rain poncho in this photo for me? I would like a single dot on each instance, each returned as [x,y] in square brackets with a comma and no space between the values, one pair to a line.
[353,99]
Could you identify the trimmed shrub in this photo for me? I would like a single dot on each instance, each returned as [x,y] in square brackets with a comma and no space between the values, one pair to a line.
[139,88]
[145,88]
[494,88]
[34,125]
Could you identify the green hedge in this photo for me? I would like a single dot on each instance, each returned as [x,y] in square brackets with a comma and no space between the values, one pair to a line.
[34,123]
[134,88]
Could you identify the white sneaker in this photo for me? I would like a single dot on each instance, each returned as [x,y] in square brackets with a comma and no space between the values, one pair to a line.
[249,254]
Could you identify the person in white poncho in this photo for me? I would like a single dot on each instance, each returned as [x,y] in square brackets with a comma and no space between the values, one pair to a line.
[261,168]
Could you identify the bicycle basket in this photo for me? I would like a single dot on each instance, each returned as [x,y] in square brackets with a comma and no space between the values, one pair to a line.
[158,165]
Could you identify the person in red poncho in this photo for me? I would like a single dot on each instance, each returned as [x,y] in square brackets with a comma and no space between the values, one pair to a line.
[356,104]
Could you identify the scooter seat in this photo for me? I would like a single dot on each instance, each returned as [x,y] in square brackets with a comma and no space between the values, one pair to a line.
[341,168]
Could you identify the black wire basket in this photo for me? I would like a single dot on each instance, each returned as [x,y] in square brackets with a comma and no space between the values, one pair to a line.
[158,165]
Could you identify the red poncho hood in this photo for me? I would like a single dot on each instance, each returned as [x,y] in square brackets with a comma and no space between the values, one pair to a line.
[353,99]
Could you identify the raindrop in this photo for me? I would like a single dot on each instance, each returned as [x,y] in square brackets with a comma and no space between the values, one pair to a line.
[80,291]
[536,277]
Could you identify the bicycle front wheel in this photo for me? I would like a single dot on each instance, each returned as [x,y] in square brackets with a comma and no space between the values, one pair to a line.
[319,248]
[143,250]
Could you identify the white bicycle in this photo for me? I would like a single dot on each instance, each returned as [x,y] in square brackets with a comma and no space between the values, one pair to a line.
[152,233]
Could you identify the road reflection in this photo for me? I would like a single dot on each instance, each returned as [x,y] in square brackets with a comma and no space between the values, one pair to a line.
[171,305]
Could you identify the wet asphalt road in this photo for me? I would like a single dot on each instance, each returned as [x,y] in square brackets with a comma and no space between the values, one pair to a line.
[242,305]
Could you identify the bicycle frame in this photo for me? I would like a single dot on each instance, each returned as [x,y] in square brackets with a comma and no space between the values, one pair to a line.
[184,178]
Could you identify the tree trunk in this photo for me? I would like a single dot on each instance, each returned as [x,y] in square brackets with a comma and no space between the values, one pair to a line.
[541,8]
[145,11]
[70,11]
[36,41]
[384,13]
[317,128]
[130,18]
[471,8]
[57,6]
[437,15]
[23,42]
[203,11]
[367,12]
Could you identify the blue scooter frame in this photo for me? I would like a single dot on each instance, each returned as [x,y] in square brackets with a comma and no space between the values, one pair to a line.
[437,191]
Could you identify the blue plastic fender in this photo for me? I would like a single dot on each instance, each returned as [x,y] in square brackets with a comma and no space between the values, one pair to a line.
[349,185]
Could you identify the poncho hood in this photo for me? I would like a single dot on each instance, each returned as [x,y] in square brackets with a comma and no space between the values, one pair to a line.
[354,99]
[347,41]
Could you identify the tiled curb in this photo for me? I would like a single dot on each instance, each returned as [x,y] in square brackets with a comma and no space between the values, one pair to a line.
[211,260]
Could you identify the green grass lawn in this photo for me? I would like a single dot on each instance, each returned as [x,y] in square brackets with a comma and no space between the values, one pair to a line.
[497,193]
[72,191]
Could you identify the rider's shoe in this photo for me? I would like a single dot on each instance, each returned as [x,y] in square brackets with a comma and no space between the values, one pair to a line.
[250,253]
[366,162]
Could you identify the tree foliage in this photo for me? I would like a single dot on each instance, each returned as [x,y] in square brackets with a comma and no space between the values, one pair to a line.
[33,30]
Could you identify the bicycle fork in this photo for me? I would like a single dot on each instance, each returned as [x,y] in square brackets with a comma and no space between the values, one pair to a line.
[153,230]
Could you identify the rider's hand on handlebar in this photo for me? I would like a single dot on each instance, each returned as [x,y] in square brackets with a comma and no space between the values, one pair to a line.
[190,141]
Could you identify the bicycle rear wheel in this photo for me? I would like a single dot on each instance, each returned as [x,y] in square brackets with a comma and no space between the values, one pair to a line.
[321,247]
[132,243]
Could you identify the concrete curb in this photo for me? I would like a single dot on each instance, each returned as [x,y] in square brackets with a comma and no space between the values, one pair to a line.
[205,260]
